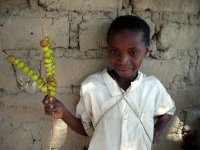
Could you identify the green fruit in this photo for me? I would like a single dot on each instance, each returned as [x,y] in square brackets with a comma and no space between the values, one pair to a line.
[51,88]
[44,89]
[47,61]
[16,61]
[25,69]
[47,55]
[39,80]
[41,85]
[52,66]
[45,49]
[48,65]
[48,74]
[34,77]
[50,51]
[20,65]
[52,72]
[52,93]
[31,72]
[10,59]
[49,69]
[53,84]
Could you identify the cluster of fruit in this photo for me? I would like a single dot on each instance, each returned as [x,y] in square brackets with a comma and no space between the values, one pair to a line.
[48,86]
[49,65]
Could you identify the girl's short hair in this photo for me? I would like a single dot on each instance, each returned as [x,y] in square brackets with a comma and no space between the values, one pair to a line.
[130,22]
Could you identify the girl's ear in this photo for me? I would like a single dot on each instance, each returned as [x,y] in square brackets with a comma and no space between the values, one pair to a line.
[147,52]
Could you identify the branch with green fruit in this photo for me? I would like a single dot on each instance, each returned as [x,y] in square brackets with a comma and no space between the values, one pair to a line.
[48,84]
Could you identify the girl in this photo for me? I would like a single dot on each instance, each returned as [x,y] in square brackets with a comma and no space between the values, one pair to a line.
[118,105]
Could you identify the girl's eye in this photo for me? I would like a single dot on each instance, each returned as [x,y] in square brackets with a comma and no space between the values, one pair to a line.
[133,52]
[114,51]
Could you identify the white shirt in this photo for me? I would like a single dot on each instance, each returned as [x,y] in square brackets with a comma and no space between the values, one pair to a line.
[128,124]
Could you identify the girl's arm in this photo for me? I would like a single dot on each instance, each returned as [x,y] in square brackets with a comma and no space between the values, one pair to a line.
[58,111]
[160,125]
[73,122]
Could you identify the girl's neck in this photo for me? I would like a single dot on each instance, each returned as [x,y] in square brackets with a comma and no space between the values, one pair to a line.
[123,82]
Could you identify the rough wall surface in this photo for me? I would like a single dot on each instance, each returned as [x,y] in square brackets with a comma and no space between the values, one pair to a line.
[78,29]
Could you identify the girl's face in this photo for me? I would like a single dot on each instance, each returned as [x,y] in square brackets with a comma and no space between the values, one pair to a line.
[126,50]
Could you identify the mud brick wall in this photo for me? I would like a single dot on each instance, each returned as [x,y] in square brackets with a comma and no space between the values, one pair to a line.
[78,30]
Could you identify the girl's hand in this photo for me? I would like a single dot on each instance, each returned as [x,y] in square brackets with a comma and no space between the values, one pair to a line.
[56,109]
[53,108]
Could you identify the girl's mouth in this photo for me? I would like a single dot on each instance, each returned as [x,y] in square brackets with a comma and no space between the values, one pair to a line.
[123,69]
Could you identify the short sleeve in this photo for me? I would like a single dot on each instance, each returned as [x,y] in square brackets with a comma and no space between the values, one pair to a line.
[164,103]
[82,114]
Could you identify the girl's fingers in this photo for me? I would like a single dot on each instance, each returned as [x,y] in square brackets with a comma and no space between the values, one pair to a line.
[49,109]
[46,100]
[50,113]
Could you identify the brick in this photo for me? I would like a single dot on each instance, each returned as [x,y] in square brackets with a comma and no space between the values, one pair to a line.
[96,5]
[26,33]
[16,138]
[171,53]
[59,32]
[192,118]
[14,2]
[181,37]
[186,97]
[21,7]
[37,145]
[73,71]
[93,34]
[177,6]
[7,77]
[166,70]
[75,19]
[34,129]
[197,71]
[176,18]
[194,19]
[20,108]
[8,4]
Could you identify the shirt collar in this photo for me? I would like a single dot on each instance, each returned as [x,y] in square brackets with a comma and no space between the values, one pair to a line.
[114,88]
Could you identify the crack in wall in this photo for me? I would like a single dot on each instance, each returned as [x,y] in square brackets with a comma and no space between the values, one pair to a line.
[198,60]
[15,74]
[192,66]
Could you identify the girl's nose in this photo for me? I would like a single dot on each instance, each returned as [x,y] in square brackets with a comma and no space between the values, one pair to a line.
[124,59]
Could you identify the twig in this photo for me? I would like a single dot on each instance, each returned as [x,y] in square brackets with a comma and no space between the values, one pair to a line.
[3,53]
[42,30]
[52,133]
[53,127]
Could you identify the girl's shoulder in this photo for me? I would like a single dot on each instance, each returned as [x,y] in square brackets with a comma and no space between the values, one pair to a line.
[150,79]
